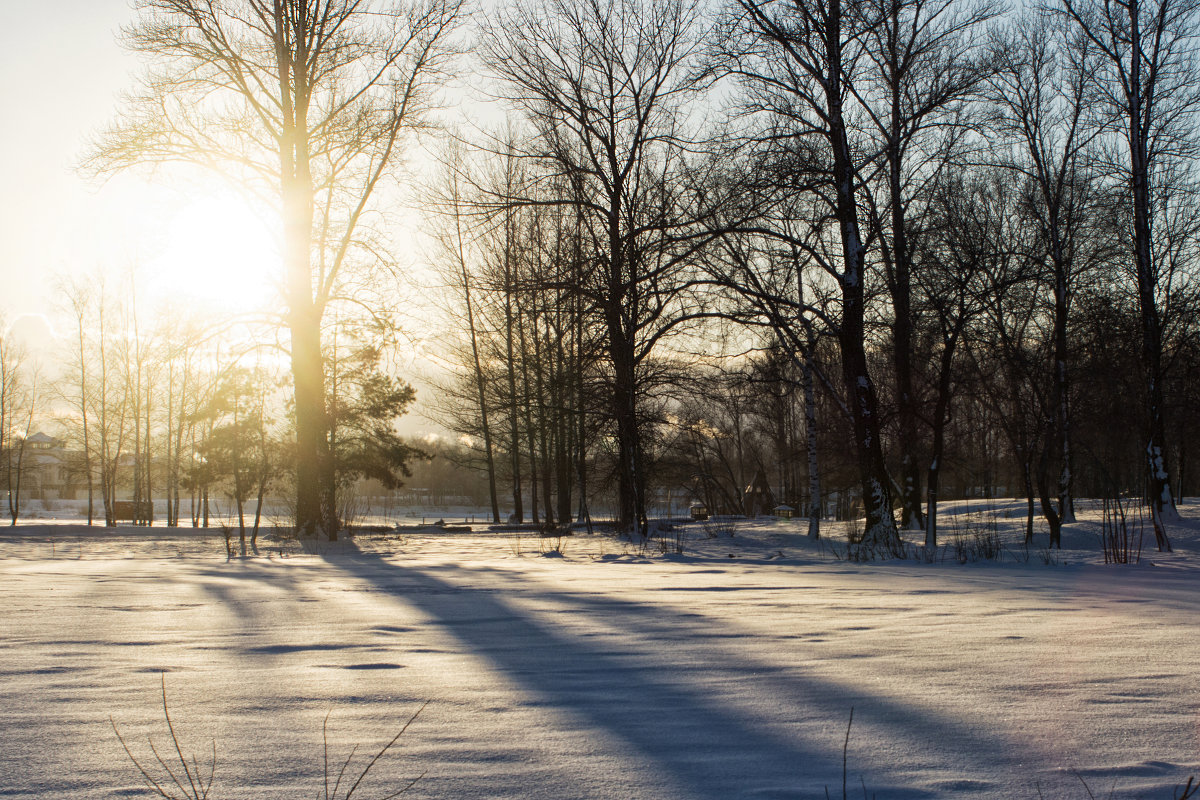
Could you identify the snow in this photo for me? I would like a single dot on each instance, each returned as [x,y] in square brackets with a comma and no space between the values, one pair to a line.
[607,671]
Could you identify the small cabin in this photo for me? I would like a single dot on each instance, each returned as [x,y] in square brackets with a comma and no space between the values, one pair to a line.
[784,511]
[699,511]
[757,499]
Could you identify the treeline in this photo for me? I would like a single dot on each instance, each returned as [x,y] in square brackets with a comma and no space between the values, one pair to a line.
[893,251]
[883,250]
[184,409]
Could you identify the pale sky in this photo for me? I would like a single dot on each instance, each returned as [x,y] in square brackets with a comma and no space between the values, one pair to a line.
[61,71]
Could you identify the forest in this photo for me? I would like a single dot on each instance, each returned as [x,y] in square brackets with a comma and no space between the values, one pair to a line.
[885,253]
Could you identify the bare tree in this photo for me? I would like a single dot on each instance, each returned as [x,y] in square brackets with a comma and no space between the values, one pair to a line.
[799,63]
[1043,101]
[524,343]
[456,245]
[20,399]
[76,391]
[1147,82]
[923,67]
[769,280]
[305,103]
[971,254]
[604,87]
[180,399]
[111,400]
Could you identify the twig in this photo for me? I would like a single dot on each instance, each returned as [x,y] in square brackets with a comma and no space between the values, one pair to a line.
[362,775]
[1086,788]
[197,788]
[845,749]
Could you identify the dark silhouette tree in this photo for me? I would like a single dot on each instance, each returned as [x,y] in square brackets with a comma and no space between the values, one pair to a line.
[1146,78]
[799,62]
[604,88]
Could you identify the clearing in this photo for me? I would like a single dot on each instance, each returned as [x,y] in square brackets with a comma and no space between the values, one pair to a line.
[603,671]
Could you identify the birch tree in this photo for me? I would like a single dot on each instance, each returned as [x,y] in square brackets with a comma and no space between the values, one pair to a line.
[1147,82]
[798,62]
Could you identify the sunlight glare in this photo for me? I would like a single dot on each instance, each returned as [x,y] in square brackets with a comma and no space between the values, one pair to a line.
[219,253]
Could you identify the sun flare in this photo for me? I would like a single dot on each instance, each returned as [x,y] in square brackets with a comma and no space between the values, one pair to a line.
[218,252]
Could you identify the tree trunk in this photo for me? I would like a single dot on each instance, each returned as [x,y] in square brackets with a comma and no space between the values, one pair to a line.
[137,423]
[539,366]
[931,507]
[1027,476]
[316,505]
[880,529]
[307,375]
[1053,520]
[810,425]
[148,486]
[262,492]
[514,434]
[527,413]
[87,439]
[940,413]
[1066,503]
[105,443]
[239,489]
[564,436]
[1161,503]
[902,330]
[630,505]
[481,390]
[581,470]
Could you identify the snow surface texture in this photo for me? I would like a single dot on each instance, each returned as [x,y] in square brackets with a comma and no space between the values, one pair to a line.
[606,671]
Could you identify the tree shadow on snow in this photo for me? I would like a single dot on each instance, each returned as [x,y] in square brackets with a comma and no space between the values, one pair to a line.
[703,742]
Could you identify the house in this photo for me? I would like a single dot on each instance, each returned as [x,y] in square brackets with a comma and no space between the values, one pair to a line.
[45,469]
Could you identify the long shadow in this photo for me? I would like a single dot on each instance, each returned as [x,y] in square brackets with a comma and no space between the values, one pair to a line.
[920,727]
[219,583]
[654,710]
[832,698]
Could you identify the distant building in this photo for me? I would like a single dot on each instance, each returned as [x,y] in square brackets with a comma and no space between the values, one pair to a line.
[758,498]
[45,471]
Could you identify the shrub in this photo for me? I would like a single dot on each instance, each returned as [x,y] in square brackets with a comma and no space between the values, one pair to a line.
[178,776]
[1120,537]
[720,528]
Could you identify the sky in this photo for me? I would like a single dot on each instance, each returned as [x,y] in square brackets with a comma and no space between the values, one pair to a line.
[62,66]
[61,72]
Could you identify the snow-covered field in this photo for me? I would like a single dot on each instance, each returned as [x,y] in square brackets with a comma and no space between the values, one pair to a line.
[605,671]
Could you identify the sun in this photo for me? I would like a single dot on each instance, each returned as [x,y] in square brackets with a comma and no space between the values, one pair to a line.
[218,253]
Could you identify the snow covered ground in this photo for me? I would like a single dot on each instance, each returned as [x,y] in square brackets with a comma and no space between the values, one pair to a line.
[606,670]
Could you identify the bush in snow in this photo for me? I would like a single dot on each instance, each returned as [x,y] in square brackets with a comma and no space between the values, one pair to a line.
[178,776]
